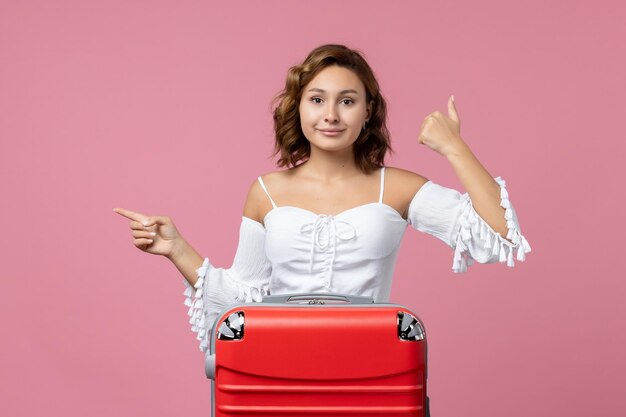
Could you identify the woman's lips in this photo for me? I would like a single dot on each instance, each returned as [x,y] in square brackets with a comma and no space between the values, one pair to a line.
[330,132]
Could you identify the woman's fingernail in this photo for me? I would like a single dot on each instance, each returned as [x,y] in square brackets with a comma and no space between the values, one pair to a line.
[152,233]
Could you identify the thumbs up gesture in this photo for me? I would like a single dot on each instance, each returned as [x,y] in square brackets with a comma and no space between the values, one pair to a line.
[442,133]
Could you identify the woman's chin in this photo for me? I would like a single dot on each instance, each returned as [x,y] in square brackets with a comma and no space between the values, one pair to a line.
[332,147]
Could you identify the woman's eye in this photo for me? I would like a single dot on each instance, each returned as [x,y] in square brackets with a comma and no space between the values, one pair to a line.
[316,98]
[350,101]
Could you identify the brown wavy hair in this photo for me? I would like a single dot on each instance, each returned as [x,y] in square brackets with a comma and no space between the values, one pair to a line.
[373,141]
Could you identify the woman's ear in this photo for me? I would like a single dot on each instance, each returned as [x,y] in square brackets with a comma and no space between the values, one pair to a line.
[370,106]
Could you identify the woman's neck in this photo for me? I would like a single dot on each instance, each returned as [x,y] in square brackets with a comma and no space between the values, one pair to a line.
[330,166]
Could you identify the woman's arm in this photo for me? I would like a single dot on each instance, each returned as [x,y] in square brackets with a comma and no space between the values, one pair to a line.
[442,134]
[158,235]
[483,190]
[209,289]
[187,260]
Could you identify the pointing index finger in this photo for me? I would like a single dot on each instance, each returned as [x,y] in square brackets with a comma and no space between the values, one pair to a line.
[130,214]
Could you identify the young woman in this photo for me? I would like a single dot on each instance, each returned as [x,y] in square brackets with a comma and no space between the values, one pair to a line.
[332,222]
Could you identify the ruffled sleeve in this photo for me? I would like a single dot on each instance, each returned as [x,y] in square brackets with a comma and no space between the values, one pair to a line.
[247,280]
[449,216]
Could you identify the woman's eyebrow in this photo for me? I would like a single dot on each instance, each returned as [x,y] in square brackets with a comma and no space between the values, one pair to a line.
[319,90]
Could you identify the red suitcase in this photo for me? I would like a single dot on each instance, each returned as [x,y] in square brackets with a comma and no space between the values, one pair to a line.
[317,355]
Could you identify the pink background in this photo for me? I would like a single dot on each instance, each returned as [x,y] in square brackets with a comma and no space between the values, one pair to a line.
[163,107]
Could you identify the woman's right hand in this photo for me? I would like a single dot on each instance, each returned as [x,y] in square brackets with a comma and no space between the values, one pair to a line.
[152,234]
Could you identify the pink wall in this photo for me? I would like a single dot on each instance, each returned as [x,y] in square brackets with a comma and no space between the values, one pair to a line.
[164,107]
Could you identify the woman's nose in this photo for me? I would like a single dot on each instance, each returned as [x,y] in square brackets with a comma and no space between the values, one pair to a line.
[331,114]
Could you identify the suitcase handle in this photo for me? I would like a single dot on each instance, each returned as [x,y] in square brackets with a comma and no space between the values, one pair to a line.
[313,298]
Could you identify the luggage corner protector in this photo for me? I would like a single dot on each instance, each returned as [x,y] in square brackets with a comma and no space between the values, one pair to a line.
[209,365]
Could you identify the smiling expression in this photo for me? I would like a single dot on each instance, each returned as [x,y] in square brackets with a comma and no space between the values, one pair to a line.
[333,109]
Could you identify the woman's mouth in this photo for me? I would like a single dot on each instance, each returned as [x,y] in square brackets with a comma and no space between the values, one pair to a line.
[330,132]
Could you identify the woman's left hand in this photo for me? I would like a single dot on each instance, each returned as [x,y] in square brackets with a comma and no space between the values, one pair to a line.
[442,133]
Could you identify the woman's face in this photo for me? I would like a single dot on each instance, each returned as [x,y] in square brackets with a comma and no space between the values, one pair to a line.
[333,109]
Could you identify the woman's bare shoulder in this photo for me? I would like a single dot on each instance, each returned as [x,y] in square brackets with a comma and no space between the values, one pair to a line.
[401,185]
[277,175]
[405,180]
[257,202]
[275,180]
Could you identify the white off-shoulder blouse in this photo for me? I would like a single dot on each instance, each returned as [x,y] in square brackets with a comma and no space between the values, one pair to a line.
[353,252]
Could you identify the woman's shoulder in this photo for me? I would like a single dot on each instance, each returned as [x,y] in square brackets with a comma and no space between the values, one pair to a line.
[405,180]
[277,175]
[401,186]
[275,180]
[257,201]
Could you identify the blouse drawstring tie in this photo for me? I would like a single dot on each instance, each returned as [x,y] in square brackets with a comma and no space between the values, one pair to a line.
[324,232]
